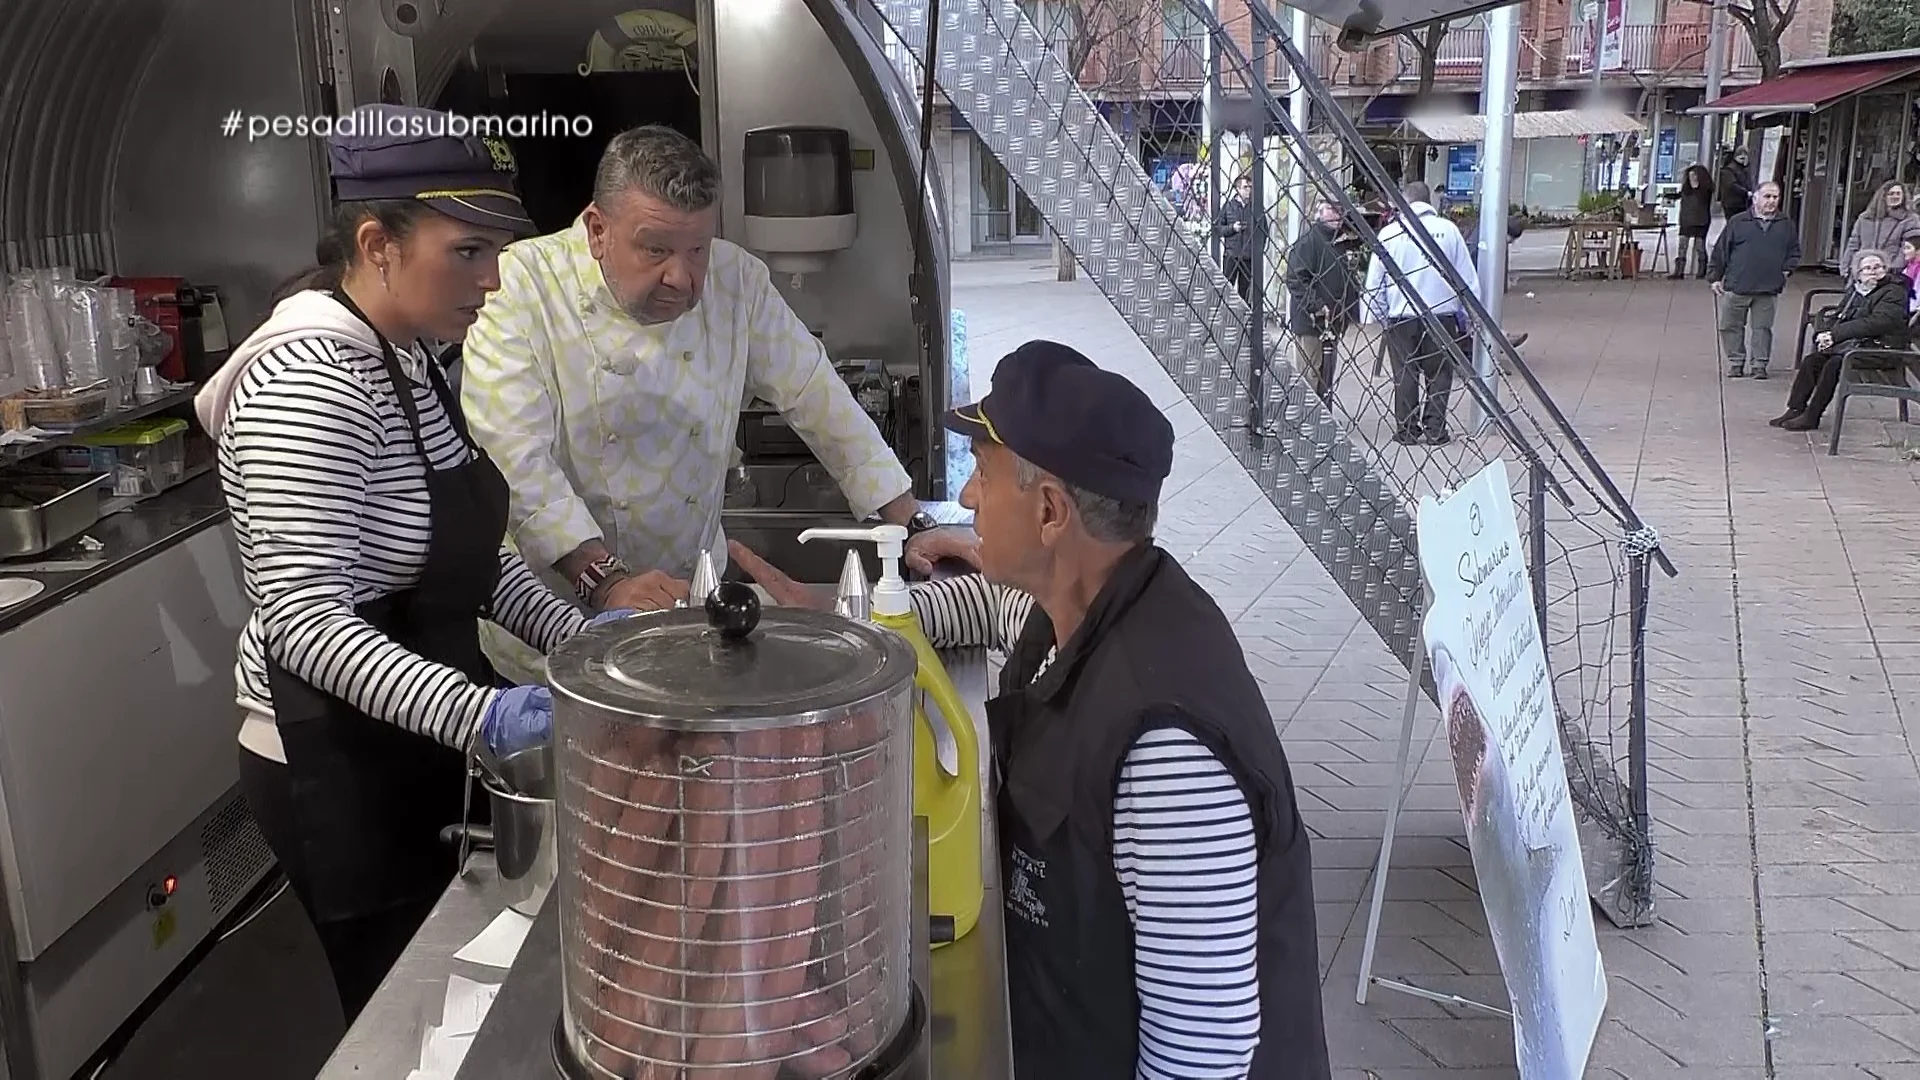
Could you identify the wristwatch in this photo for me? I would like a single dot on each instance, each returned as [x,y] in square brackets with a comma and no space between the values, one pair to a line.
[598,573]
[920,522]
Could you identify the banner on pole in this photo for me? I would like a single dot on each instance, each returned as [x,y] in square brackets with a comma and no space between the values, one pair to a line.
[1613,42]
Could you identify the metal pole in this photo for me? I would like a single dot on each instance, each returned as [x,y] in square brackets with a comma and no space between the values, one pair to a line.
[1639,575]
[1652,149]
[1257,243]
[1298,106]
[1716,57]
[1499,94]
[1537,549]
[1210,122]
[1596,165]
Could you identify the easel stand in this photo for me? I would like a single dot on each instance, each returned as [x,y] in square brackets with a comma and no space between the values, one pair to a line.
[1400,773]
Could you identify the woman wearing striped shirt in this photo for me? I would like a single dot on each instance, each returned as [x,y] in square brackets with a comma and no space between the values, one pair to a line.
[370,532]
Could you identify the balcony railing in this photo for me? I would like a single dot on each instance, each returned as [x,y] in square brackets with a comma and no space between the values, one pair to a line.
[1182,66]
[1462,53]
[1673,49]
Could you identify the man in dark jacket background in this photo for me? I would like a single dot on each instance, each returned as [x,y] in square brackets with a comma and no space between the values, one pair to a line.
[1736,184]
[1323,297]
[1873,314]
[1752,257]
[1234,224]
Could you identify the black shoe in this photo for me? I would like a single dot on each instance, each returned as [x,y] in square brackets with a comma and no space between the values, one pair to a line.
[1675,277]
[1784,418]
[1760,373]
[1438,438]
[1803,422]
[1736,373]
[1406,438]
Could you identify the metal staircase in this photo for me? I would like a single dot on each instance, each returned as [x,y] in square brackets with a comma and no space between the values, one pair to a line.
[1330,465]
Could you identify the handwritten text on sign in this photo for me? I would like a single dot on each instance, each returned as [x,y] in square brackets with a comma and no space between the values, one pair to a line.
[1483,582]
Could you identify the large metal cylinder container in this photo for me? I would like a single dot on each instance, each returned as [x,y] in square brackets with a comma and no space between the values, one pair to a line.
[734,842]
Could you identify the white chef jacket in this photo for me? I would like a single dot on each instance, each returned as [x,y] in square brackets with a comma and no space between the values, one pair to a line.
[609,429]
[1385,300]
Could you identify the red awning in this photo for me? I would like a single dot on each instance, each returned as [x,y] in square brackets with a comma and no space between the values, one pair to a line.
[1812,88]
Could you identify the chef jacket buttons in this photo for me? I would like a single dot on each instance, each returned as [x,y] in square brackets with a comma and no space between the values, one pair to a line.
[697,430]
[612,438]
[686,357]
[620,504]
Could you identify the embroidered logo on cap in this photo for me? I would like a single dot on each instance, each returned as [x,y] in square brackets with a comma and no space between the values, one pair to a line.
[501,153]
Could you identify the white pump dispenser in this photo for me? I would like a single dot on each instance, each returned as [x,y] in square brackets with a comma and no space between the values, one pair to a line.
[890,595]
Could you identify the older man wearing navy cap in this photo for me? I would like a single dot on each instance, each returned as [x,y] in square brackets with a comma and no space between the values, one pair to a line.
[1159,903]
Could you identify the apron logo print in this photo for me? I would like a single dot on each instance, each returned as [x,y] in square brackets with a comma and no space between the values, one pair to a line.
[1021,896]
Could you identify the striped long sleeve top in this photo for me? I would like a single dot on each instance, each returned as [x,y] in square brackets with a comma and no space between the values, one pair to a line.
[329,500]
[1185,857]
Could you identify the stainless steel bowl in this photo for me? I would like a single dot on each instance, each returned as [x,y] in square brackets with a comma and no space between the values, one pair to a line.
[520,792]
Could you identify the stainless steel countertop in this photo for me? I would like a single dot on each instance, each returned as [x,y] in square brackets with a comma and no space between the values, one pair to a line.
[971,1038]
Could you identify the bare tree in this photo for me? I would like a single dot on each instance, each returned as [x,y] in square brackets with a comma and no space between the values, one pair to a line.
[1100,42]
[1766,22]
[1426,41]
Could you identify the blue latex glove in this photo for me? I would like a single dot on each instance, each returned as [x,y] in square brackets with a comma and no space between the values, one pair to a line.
[520,717]
[611,615]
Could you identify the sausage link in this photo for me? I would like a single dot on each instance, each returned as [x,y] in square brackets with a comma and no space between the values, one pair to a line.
[852,969]
[654,933]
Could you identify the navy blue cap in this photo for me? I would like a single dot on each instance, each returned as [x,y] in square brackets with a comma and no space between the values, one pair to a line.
[1059,411]
[402,152]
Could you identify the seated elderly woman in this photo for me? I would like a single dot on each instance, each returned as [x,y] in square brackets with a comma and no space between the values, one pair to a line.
[1873,314]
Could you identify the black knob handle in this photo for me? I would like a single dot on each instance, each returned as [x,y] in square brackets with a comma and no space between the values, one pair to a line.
[939,929]
[733,609]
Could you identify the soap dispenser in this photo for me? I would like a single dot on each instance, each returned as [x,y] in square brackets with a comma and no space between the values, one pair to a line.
[946,747]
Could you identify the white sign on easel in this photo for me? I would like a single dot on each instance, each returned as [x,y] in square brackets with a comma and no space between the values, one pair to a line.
[1482,638]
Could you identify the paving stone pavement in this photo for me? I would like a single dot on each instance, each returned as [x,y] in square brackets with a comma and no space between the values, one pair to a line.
[1783,665]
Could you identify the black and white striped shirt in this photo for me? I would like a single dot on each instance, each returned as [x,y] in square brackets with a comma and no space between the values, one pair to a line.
[329,500]
[1184,853]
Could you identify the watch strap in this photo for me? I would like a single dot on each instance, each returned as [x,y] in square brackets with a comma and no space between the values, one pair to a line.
[596,574]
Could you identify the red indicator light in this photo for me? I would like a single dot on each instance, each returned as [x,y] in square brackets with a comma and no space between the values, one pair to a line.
[169,884]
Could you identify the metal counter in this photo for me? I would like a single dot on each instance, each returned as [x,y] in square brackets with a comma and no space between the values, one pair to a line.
[126,539]
[967,984]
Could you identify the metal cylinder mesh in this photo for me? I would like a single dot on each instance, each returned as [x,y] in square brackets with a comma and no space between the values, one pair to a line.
[735,903]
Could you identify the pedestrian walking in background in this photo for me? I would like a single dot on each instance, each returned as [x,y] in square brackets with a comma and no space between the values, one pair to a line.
[1234,224]
[1322,298]
[1755,252]
[1886,223]
[1419,354]
[1736,185]
[1696,213]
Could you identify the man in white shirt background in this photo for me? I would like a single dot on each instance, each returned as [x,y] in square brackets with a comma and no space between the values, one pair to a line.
[607,375]
[1420,360]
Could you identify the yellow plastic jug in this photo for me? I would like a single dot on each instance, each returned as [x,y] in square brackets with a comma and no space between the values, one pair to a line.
[946,748]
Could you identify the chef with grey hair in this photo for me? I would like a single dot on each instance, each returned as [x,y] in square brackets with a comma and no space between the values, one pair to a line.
[606,379]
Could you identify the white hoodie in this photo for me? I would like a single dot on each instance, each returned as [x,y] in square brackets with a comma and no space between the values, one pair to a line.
[304,316]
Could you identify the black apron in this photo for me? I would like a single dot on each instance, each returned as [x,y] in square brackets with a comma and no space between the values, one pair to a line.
[369,798]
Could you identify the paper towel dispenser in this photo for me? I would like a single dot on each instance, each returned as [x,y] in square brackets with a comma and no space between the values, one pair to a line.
[799,196]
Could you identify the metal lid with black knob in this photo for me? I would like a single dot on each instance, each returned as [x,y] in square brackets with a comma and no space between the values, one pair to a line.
[728,665]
